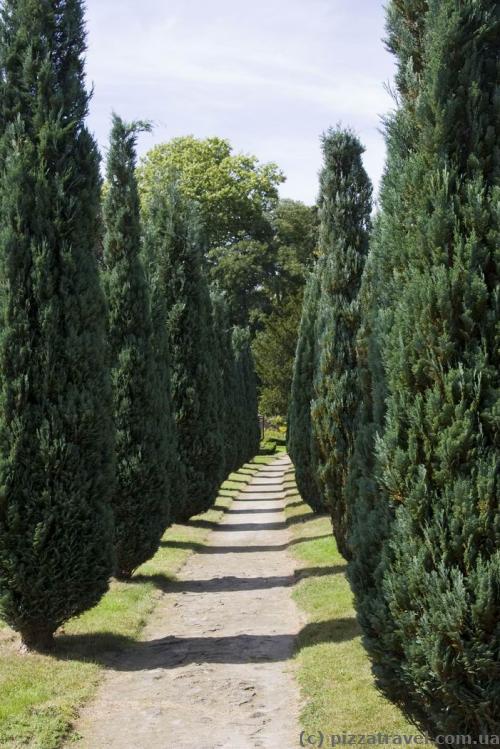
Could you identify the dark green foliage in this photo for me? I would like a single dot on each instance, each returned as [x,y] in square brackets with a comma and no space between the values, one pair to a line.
[372,513]
[290,259]
[238,393]
[246,422]
[294,244]
[261,272]
[141,501]
[176,245]
[176,470]
[274,350]
[380,286]
[56,435]
[230,398]
[299,418]
[429,602]
[223,354]
[345,206]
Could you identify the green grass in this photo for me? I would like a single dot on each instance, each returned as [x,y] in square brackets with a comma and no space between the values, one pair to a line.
[40,695]
[333,668]
[262,460]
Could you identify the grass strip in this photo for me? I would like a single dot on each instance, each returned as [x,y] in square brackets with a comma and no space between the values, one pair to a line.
[333,668]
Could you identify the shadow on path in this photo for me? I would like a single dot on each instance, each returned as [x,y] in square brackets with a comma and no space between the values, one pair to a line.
[255,512]
[237,527]
[124,654]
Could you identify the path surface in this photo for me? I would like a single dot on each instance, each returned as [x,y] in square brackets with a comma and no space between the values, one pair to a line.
[214,670]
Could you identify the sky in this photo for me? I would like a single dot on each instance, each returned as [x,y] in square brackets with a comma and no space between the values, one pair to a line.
[269,75]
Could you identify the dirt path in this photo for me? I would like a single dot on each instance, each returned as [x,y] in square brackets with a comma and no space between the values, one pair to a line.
[214,670]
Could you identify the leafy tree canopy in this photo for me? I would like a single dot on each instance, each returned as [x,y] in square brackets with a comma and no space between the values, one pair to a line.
[256,245]
[292,251]
[233,191]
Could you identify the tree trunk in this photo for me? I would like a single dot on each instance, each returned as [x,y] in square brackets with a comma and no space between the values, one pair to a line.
[37,639]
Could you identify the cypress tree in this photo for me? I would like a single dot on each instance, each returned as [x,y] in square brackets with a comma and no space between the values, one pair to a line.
[299,419]
[56,435]
[247,426]
[176,470]
[371,513]
[434,606]
[224,355]
[345,206]
[177,246]
[141,500]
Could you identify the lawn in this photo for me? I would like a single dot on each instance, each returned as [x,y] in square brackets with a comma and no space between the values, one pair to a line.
[333,668]
[41,694]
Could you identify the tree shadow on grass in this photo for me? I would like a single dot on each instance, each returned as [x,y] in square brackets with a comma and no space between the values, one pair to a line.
[306,572]
[298,503]
[332,630]
[232,584]
[122,653]
[302,518]
[204,549]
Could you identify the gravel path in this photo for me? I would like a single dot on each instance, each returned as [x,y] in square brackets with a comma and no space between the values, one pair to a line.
[214,670]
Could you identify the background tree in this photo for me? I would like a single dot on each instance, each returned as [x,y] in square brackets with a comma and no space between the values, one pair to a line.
[234,193]
[345,207]
[299,438]
[294,242]
[433,610]
[293,251]
[56,434]
[141,500]
[274,350]
[177,246]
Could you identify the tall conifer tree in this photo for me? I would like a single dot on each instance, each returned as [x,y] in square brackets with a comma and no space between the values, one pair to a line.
[176,470]
[432,613]
[247,421]
[56,436]
[141,500]
[345,206]
[177,246]
[224,354]
[299,420]
[372,513]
